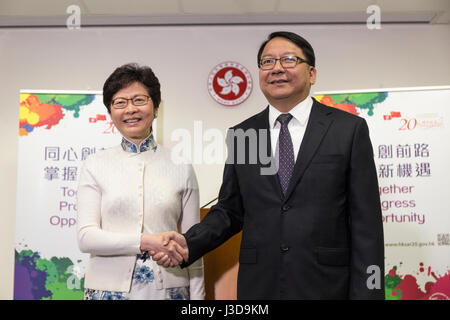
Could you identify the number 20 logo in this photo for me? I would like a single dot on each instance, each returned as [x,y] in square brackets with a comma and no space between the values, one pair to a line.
[111,128]
[408,124]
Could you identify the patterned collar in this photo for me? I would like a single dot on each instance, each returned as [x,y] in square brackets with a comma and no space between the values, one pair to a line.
[147,144]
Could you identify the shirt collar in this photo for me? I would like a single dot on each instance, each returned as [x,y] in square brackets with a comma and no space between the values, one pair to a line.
[300,112]
[149,143]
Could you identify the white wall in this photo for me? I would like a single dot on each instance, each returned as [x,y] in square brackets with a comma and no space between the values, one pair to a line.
[348,57]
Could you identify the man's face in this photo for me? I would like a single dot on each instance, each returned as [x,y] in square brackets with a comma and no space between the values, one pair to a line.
[285,86]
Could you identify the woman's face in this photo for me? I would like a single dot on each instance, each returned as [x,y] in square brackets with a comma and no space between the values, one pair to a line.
[133,122]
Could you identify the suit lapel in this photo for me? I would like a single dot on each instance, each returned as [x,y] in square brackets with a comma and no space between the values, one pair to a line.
[319,121]
[262,122]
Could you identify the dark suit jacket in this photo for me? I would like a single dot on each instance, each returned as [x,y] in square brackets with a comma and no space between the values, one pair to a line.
[319,240]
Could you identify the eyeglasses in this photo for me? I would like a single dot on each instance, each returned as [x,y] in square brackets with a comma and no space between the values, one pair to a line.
[287,62]
[121,103]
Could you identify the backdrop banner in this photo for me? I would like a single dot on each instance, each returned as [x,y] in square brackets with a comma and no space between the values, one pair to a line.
[58,130]
[410,141]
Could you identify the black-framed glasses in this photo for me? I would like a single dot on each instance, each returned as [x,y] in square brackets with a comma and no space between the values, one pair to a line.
[120,103]
[286,62]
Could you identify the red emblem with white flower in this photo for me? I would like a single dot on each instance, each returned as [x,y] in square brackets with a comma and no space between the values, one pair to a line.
[230,83]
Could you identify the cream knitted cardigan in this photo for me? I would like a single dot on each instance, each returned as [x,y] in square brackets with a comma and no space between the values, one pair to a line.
[122,195]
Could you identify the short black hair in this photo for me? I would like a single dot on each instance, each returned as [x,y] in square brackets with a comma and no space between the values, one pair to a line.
[297,40]
[126,75]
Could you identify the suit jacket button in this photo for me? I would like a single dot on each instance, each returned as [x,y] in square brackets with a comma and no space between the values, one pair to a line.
[285,208]
[284,248]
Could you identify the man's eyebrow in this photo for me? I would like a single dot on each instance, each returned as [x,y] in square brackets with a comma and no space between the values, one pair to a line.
[287,53]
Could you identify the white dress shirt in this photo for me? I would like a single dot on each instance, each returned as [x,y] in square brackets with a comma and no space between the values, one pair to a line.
[297,125]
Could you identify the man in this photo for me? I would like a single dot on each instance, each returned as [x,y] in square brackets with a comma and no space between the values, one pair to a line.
[313,229]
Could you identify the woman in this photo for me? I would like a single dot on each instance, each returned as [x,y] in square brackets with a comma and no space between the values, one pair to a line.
[128,194]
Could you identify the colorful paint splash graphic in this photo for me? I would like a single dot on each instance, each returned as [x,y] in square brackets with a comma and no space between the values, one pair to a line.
[36,278]
[47,110]
[405,287]
[352,102]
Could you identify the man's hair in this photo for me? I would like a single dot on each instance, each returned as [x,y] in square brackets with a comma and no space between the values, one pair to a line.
[126,75]
[299,41]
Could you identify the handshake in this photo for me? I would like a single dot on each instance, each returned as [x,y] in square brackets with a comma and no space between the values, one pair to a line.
[168,249]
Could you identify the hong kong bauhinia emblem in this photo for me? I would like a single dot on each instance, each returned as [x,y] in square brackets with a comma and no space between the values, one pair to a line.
[230,83]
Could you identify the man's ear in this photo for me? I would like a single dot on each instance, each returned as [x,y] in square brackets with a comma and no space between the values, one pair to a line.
[312,75]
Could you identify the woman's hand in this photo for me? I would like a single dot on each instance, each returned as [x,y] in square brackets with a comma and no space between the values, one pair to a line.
[169,252]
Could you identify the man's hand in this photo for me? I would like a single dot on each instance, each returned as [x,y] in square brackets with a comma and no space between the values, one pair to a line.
[170,253]
[174,242]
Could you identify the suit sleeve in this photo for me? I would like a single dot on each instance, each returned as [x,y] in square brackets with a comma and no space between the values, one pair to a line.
[367,241]
[224,219]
